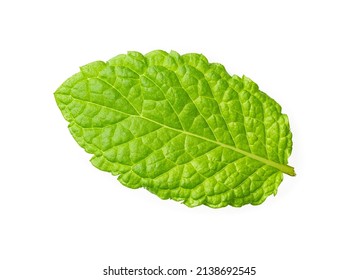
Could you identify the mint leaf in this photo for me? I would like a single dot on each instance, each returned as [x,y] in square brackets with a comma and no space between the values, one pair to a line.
[180,127]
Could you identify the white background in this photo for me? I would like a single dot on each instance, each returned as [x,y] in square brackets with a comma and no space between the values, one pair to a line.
[61,218]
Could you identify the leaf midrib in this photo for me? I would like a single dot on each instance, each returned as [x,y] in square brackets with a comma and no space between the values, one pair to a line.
[281,167]
[284,168]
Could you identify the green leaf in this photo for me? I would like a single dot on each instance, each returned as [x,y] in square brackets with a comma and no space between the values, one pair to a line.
[179,126]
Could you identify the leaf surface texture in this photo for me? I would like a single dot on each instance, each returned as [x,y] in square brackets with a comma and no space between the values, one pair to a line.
[179,126]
